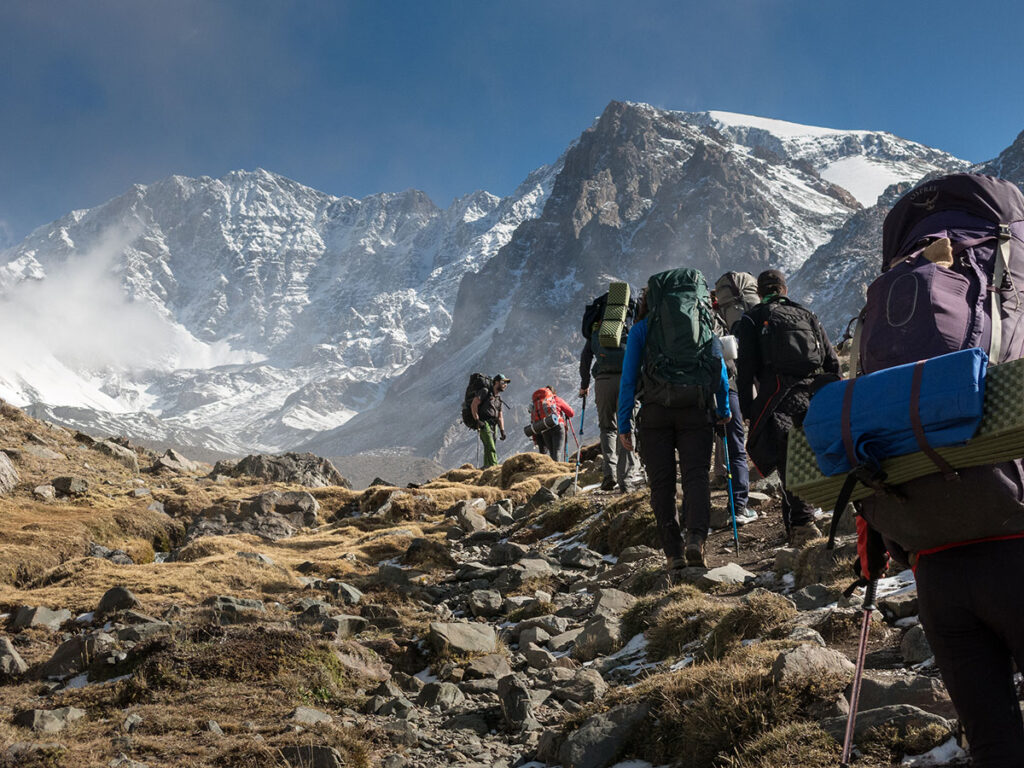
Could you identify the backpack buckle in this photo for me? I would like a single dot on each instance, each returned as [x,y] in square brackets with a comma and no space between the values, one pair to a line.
[1004,232]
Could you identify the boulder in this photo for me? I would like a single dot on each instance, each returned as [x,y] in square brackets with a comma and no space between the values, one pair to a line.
[309,756]
[11,663]
[423,552]
[343,625]
[70,486]
[580,556]
[343,593]
[914,647]
[927,693]
[903,717]
[232,610]
[48,720]
[117,599]
[8,474]
[485,602]
[489,666]
[310,716]
[540,498]
[901,605]
[814,596]
[293,468]
[470,520]
[461,637]
[444,696]
[506,553]
[730,574]
[600,740]
[45,492]
[172,461]
[612,602]
[272,515]
[797,666]
[500,514]
[599,637]
[29,616]
[516,704]
[75,654]
[124,456]
[586,687]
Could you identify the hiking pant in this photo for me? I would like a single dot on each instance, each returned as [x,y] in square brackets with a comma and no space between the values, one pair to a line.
[795,511]
[972,609]
[664,432]
[619,465]
[487,433]
[551,442]
[737,438]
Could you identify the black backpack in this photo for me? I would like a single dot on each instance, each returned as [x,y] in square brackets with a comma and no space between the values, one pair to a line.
[606,359]
[477,381]
[790,341]
[592,315]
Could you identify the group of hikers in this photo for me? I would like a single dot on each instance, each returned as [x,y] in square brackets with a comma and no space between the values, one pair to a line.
[681,363]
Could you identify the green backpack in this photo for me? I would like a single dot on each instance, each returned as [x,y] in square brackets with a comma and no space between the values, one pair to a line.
[681,366]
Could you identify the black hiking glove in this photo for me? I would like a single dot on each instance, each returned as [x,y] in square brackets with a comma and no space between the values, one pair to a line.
[720,430]
[873,556]
[503,434]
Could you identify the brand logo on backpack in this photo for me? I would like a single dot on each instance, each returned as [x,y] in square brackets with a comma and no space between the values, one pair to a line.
[929,197]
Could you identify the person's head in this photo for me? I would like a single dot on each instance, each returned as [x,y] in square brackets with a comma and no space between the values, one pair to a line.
[551,389]
[641,304]
[771,282]
[500,382]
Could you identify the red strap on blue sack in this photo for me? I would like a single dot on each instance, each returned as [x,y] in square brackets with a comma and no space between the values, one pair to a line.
[915,421]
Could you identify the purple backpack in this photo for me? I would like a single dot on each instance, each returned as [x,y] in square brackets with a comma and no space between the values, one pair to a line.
[952,261]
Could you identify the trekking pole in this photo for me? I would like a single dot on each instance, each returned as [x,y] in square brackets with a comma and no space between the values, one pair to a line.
[851,719]
[583,412]
[579,449]
[728,479]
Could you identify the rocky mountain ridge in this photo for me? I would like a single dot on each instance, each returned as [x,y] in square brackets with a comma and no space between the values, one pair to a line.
[290,312]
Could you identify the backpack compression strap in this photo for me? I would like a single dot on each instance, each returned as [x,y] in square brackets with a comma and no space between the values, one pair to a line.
[1001,269]
[915,421]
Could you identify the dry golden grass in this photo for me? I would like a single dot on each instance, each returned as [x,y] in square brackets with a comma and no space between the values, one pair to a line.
[795,745]
[677,617]
[758,614]
[628,521]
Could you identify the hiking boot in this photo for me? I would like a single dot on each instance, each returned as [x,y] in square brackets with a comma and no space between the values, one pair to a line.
[674,563]
[693,554]
[745,515]
[801,534]
[608,484]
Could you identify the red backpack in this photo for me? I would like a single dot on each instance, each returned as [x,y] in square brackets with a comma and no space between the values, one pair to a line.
[544,405]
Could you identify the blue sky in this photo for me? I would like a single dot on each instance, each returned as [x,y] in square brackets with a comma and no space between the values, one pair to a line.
[360,97]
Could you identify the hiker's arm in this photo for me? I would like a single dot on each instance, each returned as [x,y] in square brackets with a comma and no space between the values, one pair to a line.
[474,406]
[747,363]
[627,383]
[564,407]
[501,419]
[586,360]
[831,364]
[722,395]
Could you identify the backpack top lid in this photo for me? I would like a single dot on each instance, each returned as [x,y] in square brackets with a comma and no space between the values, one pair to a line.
[542,394]
[679,324]
[987,197]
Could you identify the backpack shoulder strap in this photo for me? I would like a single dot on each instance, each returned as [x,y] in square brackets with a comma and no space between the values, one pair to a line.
[1002,268]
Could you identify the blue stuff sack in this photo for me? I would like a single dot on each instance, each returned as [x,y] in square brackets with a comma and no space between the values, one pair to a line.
[896,411]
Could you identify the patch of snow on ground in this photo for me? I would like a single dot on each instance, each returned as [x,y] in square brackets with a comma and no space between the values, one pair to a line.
[862,177]
[941,755]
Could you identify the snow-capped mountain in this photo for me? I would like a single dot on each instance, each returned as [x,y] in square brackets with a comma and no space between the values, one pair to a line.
[642,190]
[252,312]
[249,306]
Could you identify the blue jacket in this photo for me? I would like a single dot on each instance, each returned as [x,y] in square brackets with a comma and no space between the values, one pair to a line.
[635,344]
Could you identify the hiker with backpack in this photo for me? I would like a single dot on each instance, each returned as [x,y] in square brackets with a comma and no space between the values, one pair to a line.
[604,363]
[952,279]
[486,411]
[672,351]
[548,418]
[783,349]
[734,294]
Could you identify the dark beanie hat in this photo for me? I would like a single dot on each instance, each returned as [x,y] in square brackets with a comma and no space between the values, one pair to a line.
[770,281]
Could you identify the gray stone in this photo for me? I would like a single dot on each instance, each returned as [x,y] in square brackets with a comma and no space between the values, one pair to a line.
[422,551]
[539,658]
[564,640]
[9,477]
[807,635]
[506,553]
[540,498]
[809,662]
[308,756]
[814,596]
[580,556]
[500,514]
[75,654]
[899,606]
[533,635]
[143,630]
[257,557]
[612,602]
[785,559]
[903,717]
[914,647]
[550,623]
[493,665]
[587,686]
[599,742]
[444,696]
[42,452]
[123,761]
[599,637]
[342,625]
[485,602]
[232,610]
[310,716]
[729,574]
[461,637]
[131,722]
[48,720]
[172,461]
[70,486]
[45,492]
[637,553]
[927,693]
[402,733]
[124,456]
[293,468]
[212,726]
[516,704]
[471,521]
[117,599]
[344,593]
[29,616]
[11,663]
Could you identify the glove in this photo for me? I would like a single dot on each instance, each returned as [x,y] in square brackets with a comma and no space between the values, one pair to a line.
[873,557]
[720,430]
[503,434]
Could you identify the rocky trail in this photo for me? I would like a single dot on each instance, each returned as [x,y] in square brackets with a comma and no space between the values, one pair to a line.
[157,612]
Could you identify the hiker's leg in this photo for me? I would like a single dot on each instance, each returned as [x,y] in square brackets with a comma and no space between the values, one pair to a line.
[734,433]
[606,398]
[795,511]
[967,611]
[557,441]
[490,451]
[694,441]
[657,436]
